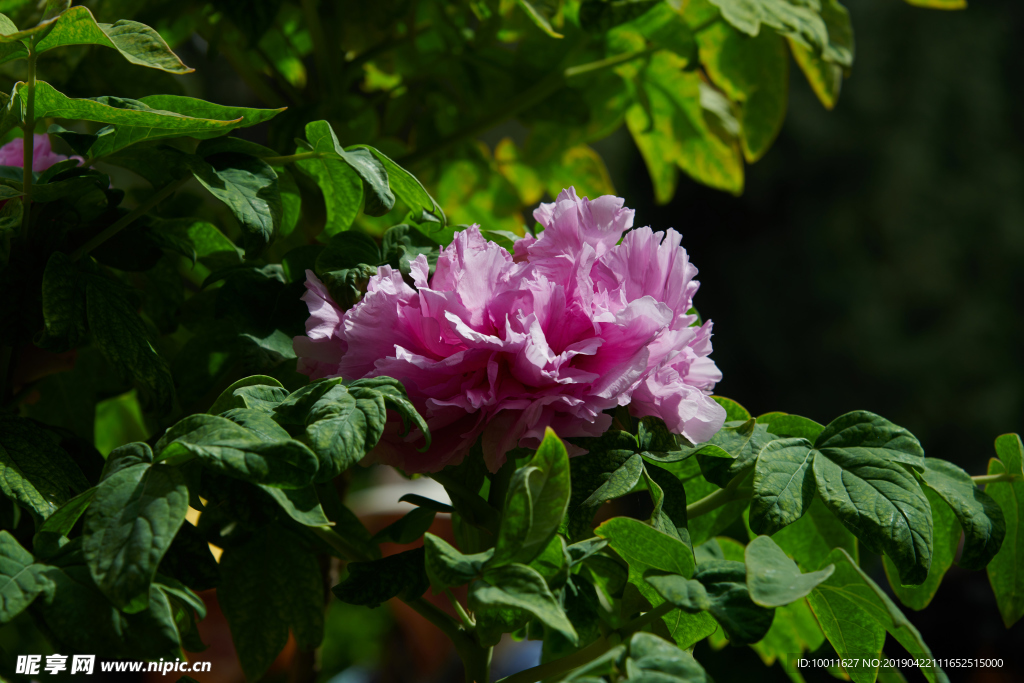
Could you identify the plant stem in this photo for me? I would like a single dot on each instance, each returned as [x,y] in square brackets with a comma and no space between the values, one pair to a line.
[467,620]
[995,478]
[29,128]
[715,500]
[590,652]
[607,63]
[129,218]
[291,158]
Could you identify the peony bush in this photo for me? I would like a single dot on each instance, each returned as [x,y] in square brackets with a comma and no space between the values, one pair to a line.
[207,344]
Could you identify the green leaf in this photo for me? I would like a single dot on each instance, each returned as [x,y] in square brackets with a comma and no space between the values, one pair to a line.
[796,20]
[879,501]
[980,516]
[939,4]
[446,566]
[129,526]
[863,432]
[516,586]
[408,529]
[141,121]
[63,304]
[754,73]
[239,117]
[783,485]
[710,524]
[63,519]
[599,16]
[946,535]
[811,539]
[786,425]
[743,442]
[149,634]
[669,497]
[379,198]
[259,392]
[347,250]
[1010,450]
[686,594]
[136,42]
[536,503]
[342,189]
[538,17]
[371,583]
[407,187]
[733,410]
[773,579]
[35,471]
[248,186]
[741,619]
[300,504]
[271,584]
[1006,569]
[653,656]
[647,550]
[230,449]
[21,579]
[124,340]
[855,613]
[619,483]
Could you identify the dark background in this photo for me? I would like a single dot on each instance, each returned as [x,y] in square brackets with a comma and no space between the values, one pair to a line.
[876,261]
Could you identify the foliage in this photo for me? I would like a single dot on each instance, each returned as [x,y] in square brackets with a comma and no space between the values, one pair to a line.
[187,314]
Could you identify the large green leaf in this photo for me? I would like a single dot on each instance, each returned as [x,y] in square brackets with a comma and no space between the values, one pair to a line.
[619,483]
[946,537]
[257,391]
[408,188]
[783,485]
[34,470]
[371,583]
[271,584]
[743,442]
[794,426]
[75,600]
[140,121]
[730,601]
[124,340]
[980,516]
[21,579]
[516,586]
[863,432]
[773,578]
[342,189]
[812,538]
[446,566]
[855,614]
[882,504]
[536,503]
[378,195]
[1006,569]
[797,20]
[248,186]
[130,525]
[230,449]
[239,117]
[136,42]
[659,660]
[754,73]
[647,550]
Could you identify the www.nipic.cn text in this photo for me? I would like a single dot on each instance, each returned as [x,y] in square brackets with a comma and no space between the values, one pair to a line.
[31,665]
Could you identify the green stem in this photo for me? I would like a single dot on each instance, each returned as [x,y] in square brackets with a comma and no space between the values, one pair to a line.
[608,63]
[291,158]
[128,219]
[467,620]
[579,658]
[995,478]
[29,128]
[715,500]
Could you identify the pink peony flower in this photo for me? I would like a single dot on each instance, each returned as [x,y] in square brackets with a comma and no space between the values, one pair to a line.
[43,156]
[502,346]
